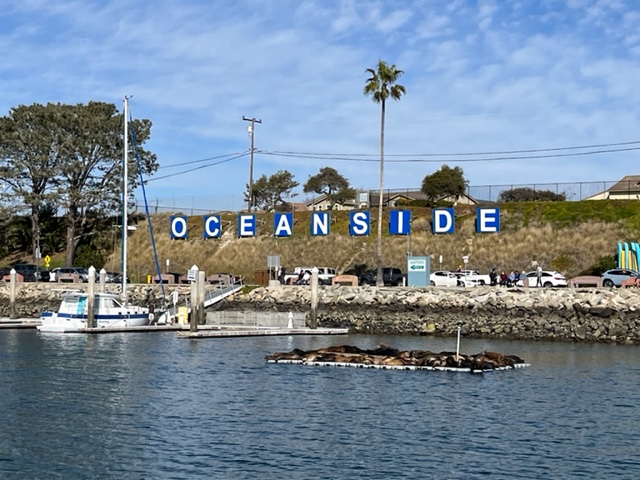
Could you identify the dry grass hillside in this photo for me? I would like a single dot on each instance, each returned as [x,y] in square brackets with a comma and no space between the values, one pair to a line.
[565,236]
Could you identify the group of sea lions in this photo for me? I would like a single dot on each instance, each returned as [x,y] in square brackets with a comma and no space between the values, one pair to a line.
[385,355]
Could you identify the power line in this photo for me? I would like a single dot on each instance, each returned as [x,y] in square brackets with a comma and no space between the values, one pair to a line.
[200,167]
[191,162]
[508,152]
[453,160]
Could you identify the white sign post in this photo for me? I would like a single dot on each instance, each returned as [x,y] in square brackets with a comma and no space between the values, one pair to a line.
[192,273]
[440,259]
[465,259]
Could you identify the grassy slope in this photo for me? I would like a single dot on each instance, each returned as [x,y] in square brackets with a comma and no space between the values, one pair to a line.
[566,236]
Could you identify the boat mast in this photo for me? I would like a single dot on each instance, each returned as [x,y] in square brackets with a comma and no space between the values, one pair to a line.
[125,199]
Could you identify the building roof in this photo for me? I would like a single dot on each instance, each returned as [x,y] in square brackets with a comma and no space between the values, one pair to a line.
[628,183]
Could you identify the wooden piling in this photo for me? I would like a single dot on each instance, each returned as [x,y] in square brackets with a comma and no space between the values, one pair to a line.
[200,314]
[12,294]
[91,298]
[313,314]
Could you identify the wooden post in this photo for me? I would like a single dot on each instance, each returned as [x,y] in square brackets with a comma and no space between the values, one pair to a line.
[12,294]
[91,298]
[103,279]
[200,307]
[193,319]
[313,319]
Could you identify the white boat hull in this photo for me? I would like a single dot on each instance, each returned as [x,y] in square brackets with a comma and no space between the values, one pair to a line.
[109,313]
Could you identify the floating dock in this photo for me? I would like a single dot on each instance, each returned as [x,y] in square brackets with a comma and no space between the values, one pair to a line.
[398,367]
[219,332]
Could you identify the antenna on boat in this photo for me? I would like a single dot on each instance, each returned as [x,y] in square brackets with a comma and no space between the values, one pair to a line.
[125,199]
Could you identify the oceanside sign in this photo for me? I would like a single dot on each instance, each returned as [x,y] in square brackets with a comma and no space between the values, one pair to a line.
[442,221]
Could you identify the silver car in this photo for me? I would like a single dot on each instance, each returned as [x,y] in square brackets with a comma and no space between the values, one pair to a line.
[615,277]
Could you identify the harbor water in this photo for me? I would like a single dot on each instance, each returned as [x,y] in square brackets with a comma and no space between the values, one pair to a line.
[154,406]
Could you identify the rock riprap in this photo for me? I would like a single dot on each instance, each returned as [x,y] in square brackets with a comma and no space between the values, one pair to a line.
[567,314]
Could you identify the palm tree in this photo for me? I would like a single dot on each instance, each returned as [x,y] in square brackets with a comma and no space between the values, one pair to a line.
[380,86]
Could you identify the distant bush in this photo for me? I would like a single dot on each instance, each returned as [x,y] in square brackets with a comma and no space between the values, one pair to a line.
[526,194]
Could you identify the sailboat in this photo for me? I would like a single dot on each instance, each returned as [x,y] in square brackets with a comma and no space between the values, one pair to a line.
[109,310]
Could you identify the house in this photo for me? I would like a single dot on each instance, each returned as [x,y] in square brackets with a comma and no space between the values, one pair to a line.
[322,203]
[398,199]
[628,188]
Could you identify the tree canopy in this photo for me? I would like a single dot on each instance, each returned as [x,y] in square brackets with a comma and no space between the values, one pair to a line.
[527,194]
[444,182]
[270,193]
[70,156]
[330,183]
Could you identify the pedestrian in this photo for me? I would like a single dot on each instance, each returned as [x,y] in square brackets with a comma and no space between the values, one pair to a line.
[539,276]
[493,276]
[281,274]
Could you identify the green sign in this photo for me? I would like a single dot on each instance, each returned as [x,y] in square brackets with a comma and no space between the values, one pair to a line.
[417,265]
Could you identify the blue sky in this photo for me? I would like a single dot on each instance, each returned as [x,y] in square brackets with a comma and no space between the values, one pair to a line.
[481,76]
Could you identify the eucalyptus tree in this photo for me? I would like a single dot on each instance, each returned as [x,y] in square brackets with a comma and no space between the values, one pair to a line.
[380,86]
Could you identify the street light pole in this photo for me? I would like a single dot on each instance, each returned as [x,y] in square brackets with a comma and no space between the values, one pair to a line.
[251,129]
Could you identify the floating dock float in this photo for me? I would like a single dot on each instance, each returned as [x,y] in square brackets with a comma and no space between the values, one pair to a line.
[219,332]
[398,367]
[388,358]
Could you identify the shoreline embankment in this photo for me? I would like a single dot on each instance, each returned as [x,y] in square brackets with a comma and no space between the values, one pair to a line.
[568,314]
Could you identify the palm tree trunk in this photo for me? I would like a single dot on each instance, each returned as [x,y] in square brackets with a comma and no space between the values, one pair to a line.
[380,280]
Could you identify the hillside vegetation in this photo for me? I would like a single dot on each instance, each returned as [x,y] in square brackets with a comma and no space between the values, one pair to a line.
[570,237]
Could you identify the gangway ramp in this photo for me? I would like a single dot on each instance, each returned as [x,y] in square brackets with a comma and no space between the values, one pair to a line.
[211,297]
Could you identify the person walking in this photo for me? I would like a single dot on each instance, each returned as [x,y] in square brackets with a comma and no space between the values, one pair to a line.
[539,276]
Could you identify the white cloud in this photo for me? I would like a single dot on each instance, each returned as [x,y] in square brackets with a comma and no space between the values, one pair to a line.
[500,76]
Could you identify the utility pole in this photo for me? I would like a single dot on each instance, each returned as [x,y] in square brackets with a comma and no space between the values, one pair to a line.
[251,129]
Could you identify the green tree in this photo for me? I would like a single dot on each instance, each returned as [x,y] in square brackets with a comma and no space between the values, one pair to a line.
[527,194]
[382,85]
[330,183]
[270,193]
[31,142]
[71,156]
[444,182]
[93,165]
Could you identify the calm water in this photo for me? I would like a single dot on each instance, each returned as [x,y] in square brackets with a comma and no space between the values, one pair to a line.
[152,406]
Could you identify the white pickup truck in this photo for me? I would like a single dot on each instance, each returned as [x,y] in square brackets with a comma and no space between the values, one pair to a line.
[480,279]
[325,275]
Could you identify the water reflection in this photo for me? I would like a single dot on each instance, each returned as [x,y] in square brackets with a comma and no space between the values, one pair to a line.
[156,406]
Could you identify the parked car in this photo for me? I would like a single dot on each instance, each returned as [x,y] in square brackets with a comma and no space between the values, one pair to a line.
[615,277]
[549,279]
[443,278]
[325,275]
[81,272]
[111,277]
[478,278]
[390,276]
[31,272]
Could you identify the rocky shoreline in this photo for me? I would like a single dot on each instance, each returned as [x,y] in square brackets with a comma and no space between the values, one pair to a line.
[580,314]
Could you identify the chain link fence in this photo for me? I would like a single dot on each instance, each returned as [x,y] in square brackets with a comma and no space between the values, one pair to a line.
[573,191]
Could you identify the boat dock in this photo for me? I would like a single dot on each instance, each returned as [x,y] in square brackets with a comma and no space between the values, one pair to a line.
[7,323]
[184,330]
[220,332]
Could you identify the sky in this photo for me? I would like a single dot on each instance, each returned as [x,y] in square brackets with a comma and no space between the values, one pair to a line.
[481,77]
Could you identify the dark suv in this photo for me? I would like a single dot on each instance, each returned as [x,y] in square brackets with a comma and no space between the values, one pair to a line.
[31,272]
[390,276]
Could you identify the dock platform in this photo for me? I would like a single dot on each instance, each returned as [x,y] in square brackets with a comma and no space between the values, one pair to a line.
[221,332]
